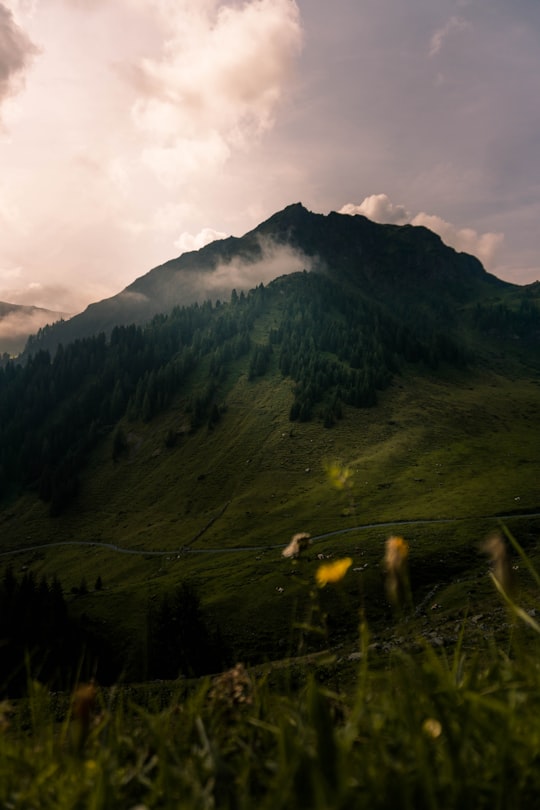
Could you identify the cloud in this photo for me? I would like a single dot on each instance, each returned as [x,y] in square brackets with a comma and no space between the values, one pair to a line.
[85,5]
[276,260]
[24,8]
[20,323]
[483,245]
[191,284]
[17,324]
[9,274]
[16,54]
[54,296]
[216,83]
[187,241]
[186,156]
[379,208]
[437,40]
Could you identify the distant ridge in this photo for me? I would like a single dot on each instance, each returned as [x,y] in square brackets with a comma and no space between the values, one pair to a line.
[383,259]
[18,322]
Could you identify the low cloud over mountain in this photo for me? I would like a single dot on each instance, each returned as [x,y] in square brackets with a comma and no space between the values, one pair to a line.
[379,208]
[18,322]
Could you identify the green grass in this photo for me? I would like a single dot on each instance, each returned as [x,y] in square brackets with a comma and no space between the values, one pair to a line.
[417,722]
[461,446]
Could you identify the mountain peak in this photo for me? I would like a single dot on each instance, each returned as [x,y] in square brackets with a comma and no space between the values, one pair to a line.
[383,260]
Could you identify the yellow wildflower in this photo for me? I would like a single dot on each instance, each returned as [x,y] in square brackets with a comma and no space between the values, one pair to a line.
[332,572]
[340,477]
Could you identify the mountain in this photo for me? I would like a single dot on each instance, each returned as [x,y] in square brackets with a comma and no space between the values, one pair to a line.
[18,322]
[393,389]
[383,259]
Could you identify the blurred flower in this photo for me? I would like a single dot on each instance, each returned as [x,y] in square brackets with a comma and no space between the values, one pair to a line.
[299,543]
[232,688]
[332,572]
[83,703]
[84,699]
[397,550]
[495,548]
[395,561]
[340,477]
[432,728]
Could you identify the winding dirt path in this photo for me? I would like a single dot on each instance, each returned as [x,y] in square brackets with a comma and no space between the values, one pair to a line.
[187,549]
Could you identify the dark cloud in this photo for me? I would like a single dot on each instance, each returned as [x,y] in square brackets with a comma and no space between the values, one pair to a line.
[16,54]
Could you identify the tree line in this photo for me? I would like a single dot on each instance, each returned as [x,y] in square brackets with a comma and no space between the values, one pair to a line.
[40,637]
[338,346]
[43,637]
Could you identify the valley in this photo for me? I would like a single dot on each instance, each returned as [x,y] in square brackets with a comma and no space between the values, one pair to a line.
[338,403]
[218,508]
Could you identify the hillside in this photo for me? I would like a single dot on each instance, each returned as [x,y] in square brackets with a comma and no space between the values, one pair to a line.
[191,449]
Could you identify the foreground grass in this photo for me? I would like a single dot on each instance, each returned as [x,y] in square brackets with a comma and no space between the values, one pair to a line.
[419,730]
[415,725]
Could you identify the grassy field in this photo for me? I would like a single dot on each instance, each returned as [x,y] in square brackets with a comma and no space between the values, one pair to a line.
[341,700]
[463,447]
[419,722]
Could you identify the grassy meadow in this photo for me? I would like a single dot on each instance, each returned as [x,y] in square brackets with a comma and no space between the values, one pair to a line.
[421,723]
[340,699]
[437,461]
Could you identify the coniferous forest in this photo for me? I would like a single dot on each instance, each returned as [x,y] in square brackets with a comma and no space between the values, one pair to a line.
[337,347]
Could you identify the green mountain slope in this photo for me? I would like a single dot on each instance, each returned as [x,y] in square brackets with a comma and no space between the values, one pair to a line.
[216,432]
[461,449]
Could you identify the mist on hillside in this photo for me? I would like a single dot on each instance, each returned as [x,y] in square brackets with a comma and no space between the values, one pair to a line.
[186,285]
[243,274]
[17,324]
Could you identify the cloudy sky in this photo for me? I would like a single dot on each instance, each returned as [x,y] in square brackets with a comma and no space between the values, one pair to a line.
[133,130]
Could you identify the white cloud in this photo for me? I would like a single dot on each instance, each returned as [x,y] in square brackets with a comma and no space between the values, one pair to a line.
[453,25]
[22,323]
[216,83]
[187,241]
[379,208]
[23,8]
[276,260]
[55,296]
[175,163]
[466,240]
